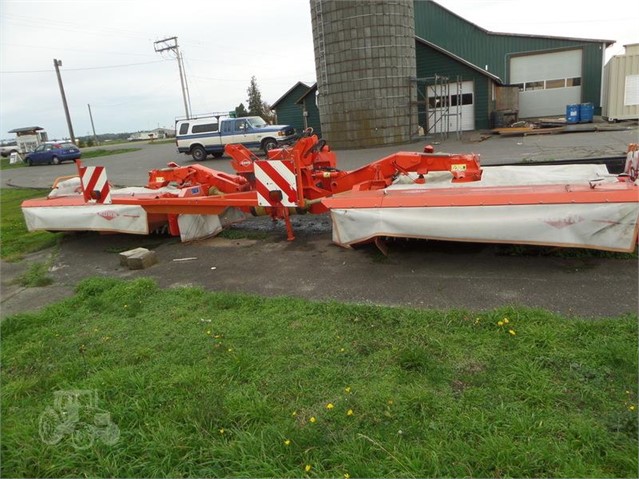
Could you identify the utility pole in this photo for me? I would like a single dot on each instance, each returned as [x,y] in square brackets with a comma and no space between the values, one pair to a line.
[186,84]
[171,44]
[95,137]
[57,64]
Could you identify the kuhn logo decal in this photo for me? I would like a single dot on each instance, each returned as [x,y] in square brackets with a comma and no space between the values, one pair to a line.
[560,223]
[108,215]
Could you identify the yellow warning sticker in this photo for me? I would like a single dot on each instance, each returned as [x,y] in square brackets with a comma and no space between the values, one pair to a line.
[460,167]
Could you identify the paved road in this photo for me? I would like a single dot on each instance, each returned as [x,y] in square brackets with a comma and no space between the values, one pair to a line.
[131,169]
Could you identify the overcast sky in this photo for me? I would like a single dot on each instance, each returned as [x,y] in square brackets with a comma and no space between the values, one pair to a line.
[108,59]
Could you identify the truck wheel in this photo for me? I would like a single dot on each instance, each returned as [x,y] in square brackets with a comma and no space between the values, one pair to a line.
[198,153]
[268,145]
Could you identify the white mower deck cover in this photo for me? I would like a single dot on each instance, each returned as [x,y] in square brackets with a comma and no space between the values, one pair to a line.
[609,226]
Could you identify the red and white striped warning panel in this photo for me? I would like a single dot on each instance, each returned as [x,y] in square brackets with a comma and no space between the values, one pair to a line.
[272,176]
[95,184]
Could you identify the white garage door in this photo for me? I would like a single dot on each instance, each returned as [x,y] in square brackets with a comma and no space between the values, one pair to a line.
[459,108]
[547,82]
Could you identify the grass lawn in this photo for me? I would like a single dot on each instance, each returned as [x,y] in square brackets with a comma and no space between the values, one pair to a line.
[215,385]
[6,165]
[15,240]
[100,152]
[86,155]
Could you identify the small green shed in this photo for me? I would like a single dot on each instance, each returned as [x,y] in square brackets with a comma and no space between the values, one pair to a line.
[310,112]
[287,110]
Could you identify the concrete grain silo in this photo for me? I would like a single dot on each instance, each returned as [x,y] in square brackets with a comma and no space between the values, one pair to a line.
[364,60]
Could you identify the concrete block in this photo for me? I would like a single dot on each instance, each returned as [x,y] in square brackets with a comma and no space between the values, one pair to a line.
[125,255]
[138,258]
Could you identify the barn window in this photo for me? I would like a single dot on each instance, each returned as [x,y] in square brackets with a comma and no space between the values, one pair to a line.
[534,85]
[466,99]
[555,83]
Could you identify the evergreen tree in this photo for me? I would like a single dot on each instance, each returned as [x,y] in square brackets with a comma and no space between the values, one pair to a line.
[240,111]
[255,106]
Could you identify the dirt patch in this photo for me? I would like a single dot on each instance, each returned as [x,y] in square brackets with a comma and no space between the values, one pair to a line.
[420,274]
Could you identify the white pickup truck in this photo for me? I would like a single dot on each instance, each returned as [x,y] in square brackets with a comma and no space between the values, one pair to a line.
[200,137]
[7,148]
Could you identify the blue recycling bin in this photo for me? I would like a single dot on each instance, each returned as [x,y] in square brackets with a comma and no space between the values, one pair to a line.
[586,112]
[572,113]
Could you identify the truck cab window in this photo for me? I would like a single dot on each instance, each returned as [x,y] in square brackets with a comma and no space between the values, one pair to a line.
[256,122]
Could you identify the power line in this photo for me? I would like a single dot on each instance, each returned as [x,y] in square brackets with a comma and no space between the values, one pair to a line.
[87,68]
[83,50]
[64,25]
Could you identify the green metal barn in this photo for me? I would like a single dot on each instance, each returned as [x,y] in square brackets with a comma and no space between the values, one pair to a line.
[548,72]
[468,78]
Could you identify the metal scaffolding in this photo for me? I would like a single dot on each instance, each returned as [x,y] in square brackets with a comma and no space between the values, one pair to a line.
[438,106]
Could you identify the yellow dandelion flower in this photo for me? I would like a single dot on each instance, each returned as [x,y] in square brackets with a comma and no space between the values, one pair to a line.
[230,349]
[126,305]
[632,407]
[312,419]
[390,401]
[347,390]
[287,442]
[222,431]
[308,467]
[506,321]
[627,392]
[342,350]
[294,413]
[349,412]
[347,475]
[208,332]
[330,405]
[500,323]
[512,332]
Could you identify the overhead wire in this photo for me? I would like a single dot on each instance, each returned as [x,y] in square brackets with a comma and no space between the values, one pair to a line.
[85,68]
[64,25]
[82,50]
